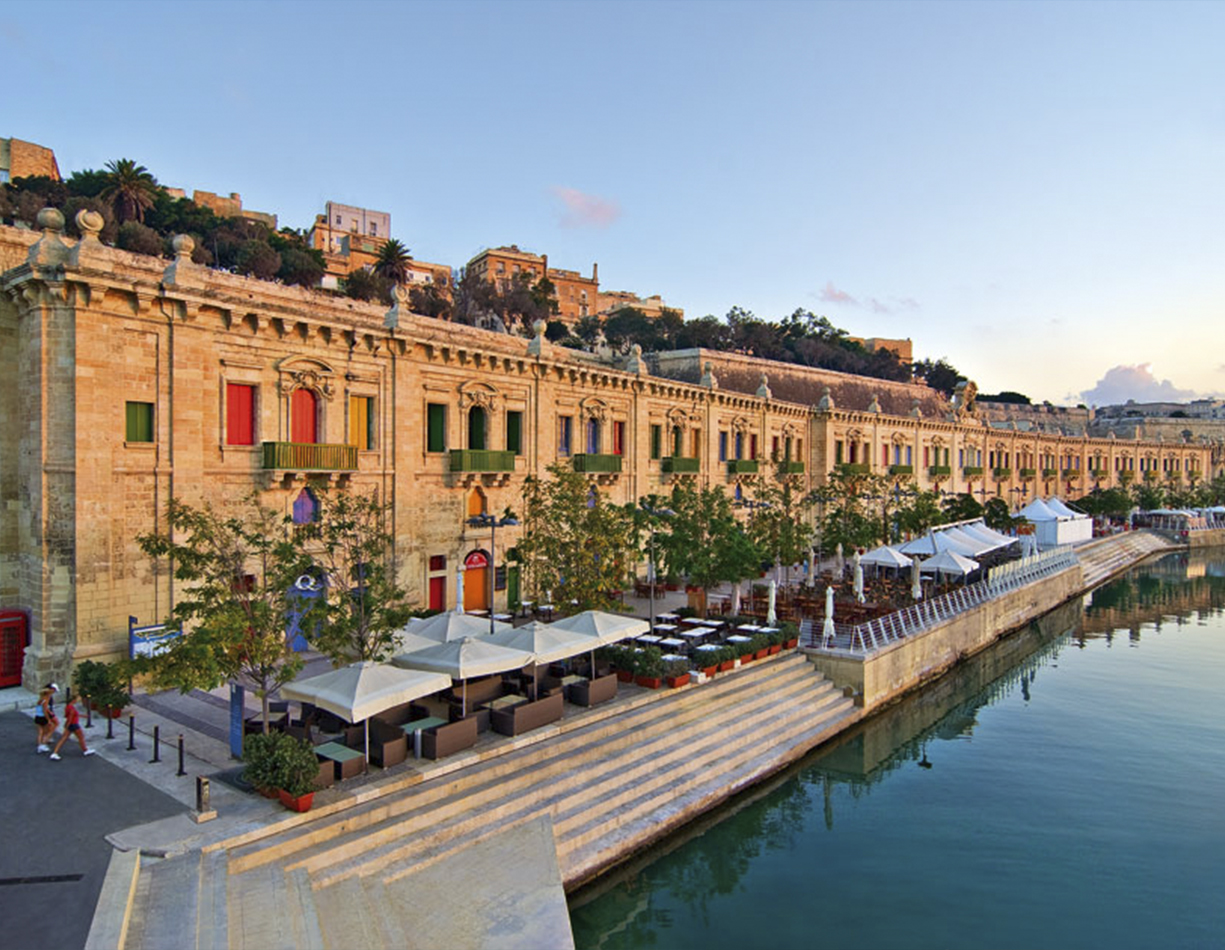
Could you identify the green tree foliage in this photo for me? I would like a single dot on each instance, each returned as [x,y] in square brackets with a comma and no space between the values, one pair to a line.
[140,239]
[366,285]
[257,259]
[779,520]
[996,515]
[938,374]
[299,266]
[365,606]
[575,544]
[918,512]
[1110,503]
[430,300]
[130,189]
[393,261]
[1007,396]
[961,507]
[235,571]
[705,543]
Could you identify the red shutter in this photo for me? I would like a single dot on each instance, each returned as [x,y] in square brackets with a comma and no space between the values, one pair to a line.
[239,414]
[302,422]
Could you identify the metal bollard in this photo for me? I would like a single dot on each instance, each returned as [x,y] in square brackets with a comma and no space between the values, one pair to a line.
[181,771]
[89,713]
[131,733]
[157,739]
[110,726]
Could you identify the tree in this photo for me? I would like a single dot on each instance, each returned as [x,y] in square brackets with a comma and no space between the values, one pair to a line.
[258,259]
[779,524]
[237,573]
[920,512]
[365,606]
[843,508]
[997,516]
[392,262]
[136,237]
[430,299]
[938,374]
[130,189]
[299,266]
[575,544]
[704,542]
[362,284]
[961,507]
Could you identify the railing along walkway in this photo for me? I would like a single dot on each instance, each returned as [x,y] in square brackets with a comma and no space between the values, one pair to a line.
[866,638]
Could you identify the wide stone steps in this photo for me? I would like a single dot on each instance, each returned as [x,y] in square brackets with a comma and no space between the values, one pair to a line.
[509,799]
[598,782]
[1107,558]
[501,776]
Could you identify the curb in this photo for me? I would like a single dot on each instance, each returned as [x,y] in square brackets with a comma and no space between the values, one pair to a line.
[109,928]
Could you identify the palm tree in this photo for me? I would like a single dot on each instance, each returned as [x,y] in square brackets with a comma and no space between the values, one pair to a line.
[393,262]
[130,189]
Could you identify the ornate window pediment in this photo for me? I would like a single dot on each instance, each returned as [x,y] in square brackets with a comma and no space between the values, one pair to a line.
[593,408]
[478,393]
[298,372]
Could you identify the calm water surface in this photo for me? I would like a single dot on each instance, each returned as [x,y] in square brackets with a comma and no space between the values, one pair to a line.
[1065,788]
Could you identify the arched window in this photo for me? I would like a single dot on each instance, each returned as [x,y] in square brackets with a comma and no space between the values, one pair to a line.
[476,503]
[303,417]
[591,499]
[305,506]
[476,428]
[593,437]
[678,443]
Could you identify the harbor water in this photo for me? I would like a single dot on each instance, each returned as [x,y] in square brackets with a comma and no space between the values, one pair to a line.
[1062,788]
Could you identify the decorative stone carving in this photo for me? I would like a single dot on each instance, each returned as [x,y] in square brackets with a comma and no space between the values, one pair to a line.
[874,405]
[635,363]
[50,251]
[708,377]
[536,347]
[183,272]
[481,396]
[763,388]
[827,400]
[594,409]
[964,394]
[90,224]
[915,411]
[400,307]
[307,379]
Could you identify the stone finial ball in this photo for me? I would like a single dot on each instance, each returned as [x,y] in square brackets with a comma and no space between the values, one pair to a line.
[183,244]
[90,222]
[51,219]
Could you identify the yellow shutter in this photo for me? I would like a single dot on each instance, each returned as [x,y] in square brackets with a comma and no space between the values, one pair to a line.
[359,421]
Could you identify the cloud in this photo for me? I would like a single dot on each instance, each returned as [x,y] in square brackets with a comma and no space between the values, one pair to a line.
[1122,383]
[585,211]
[832,294]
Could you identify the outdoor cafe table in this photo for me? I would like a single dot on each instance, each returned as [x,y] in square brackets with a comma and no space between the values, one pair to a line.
[525,606]
[479,613]
[751,627]
[667,617]
[505,618]
[735,638]
[347,762]
[695,634]
[671,643]
[504,701]
[546,609]
[418,726]
[647,638]
[666,627]
[706,647]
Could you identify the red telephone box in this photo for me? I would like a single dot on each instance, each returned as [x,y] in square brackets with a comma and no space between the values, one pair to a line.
[14,638]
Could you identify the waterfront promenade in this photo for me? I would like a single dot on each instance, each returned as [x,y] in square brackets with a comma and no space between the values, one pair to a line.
[605,782]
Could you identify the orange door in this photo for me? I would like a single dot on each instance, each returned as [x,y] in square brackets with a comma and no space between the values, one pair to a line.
[476,581]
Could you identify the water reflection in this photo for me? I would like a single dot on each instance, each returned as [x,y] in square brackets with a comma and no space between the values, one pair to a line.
[687,882]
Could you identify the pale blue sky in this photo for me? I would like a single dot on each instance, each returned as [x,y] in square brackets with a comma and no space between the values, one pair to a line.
[1033,190]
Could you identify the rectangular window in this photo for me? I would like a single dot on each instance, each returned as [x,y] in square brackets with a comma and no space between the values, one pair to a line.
[139,422]
[696,444]
[838,452]
[361,422]
[908,456]
[438,562]
[618,438]
[787,448]
[884,455]
[514,432]
[722,446]
[565,427]
[239,414]
[656,439]
[961,458]
[753,447]
[436,427]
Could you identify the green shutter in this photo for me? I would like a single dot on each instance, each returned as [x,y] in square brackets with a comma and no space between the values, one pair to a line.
[514,432]
[655,440]
[436,421]
[139,422]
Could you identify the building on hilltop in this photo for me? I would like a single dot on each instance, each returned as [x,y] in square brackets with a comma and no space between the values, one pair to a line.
[351,238]
[903,349]
[577,296]
[20,159]
[120,364]
[610,301]
[225,207]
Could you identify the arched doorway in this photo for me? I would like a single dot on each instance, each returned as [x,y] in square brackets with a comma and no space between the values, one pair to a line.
[303,417]
[476,581]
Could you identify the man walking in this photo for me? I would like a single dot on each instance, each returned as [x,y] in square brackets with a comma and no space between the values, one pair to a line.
[72,727]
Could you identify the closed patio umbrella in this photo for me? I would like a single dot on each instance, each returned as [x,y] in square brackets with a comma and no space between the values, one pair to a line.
[858,574]
[464,659]
[736,598]
[771,615]
[827,629]
[916,581]
[459,590]
[361,690]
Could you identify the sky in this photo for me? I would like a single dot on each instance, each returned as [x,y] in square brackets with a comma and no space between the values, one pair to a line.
[1033,191]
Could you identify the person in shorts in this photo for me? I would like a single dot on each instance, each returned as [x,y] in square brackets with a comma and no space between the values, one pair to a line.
[45,718]
[72,727]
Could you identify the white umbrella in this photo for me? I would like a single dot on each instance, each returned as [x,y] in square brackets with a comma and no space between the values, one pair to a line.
[771,616]
[885,556]
[451,625]
[459,590]
[602,628]
[545,643]
[827,630]
[916,581]
[465,659]
[361,690]
[736,599]
[858,579]
[838,560]
[934,542]
[948,562]
[812,569]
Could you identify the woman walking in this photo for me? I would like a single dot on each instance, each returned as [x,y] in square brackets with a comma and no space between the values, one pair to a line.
[72,727]
[45,717]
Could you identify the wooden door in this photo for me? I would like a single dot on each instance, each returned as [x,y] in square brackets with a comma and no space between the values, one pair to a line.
[476,581]
[303,417]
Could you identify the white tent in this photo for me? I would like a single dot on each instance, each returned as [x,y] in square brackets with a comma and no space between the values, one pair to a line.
[1057,506]
[934,542]
[885,556]
[1052,528]
[1038,510]
[977,529]
[605,627]
[948,562]
[464,660]
[975,544]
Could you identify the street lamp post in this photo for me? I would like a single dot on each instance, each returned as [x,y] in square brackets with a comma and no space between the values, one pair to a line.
[653,513]
[492,523]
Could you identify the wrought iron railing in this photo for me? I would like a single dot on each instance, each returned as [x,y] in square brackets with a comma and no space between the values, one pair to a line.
[679,465]
[481,460]
[742,466]
[597,464]
[310,457]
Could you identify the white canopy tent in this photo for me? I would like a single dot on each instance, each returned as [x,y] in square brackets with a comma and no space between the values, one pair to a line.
[978,529]
[935,542]
[546,643]
[975,544]
[1052,528]
[1056,505]
[885,556]
[464,660]
[948,562]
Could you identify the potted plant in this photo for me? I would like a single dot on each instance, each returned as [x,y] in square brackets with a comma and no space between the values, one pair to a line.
[622,660]
[649,669]
[791,634]
[774,641]
[296,768]
[727,659]
[99,683]
[712,659]
[676,673]
[260,772]
[760,645]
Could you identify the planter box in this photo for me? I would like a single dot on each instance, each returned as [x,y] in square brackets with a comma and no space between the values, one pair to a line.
[301,803]
[109,712]
[792,643]
[709,671]
[675,681]
[269,792]
[774,648]
[747,658]
[761,654]
[650,682]
[625,676]
[727,666]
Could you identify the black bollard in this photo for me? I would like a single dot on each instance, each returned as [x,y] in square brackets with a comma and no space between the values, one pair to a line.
[181,771]
[157,739]
[131,733]
[89,713]
[110,726]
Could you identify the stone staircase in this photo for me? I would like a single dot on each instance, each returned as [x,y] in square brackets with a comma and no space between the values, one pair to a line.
[1103,559]
[602,789]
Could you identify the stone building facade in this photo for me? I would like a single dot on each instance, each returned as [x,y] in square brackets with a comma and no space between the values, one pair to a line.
[133,380]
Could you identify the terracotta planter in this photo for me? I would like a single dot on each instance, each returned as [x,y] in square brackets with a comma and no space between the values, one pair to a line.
[301,803]
[792,643]
[709,671]
[650,682]
[747,658]
[625,676]
[774,648]
[675,681]
[269,792]
[727,666]
[110,712]
[762,654]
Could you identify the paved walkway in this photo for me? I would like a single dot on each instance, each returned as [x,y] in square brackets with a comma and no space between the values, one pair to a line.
[56,817]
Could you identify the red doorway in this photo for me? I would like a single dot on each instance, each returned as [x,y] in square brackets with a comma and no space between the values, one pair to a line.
[303,417]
